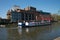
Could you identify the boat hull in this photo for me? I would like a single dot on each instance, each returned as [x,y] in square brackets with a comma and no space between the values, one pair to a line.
[26,24]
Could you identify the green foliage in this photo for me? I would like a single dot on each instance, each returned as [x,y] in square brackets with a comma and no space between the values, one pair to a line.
[56,17]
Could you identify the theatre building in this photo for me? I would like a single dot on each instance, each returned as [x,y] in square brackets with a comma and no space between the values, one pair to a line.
[27,14]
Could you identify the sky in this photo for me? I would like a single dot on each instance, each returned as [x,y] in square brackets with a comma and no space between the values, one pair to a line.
[51,6]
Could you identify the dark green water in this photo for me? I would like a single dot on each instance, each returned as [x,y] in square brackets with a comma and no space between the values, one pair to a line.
[48,32]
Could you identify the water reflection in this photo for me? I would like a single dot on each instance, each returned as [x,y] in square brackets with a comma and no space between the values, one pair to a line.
[27,30]
[13,34]
[20,29]
[32,33]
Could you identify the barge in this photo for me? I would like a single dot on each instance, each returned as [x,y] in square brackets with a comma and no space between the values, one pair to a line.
[30,24]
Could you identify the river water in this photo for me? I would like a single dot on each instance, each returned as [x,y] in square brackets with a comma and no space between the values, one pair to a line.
[47,32]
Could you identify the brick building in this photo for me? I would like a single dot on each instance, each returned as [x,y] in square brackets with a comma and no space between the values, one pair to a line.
[27,14]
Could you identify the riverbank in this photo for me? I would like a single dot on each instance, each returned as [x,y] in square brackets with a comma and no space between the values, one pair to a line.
[10,25]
